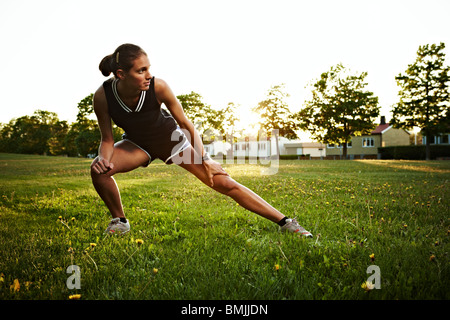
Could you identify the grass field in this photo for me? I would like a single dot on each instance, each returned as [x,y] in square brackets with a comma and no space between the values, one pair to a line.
[188,242]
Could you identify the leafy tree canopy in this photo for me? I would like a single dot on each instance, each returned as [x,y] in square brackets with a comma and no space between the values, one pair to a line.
[340,107]
[424,94]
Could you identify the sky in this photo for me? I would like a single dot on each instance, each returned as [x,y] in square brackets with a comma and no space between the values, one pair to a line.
[227,51]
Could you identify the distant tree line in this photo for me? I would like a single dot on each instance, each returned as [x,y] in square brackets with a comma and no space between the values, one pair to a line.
[340,107]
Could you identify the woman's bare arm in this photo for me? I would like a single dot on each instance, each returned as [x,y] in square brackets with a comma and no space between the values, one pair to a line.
[106,147]
[165,95]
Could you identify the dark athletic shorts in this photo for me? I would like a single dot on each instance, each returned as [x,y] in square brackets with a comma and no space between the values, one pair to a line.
[164,149]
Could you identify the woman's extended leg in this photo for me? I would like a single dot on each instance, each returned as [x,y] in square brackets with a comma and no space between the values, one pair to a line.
[245,197]
[241,194]
[126,157]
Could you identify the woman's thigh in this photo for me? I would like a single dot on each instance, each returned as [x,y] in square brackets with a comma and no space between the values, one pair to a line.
[127,157]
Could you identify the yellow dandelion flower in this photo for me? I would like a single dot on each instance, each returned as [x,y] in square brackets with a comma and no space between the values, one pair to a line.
[372,256]
[15,286]
[139,241]
[93,245]
[367,285]
[28,284]
[277,267]
[155,271]
[74,296]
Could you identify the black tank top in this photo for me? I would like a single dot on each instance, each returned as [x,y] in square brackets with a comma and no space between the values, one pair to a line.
[147,123]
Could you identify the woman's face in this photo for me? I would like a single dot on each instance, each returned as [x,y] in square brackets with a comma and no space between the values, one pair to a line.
[139,75]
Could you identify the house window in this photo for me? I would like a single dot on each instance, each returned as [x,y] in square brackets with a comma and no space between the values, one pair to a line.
[368,142]
[441,139]
[341,145]
[349,145]
[245,146]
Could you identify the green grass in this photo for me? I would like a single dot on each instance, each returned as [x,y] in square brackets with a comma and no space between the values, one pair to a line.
[204,246]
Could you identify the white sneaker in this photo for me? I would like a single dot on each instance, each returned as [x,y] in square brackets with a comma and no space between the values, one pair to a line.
[117,227]
[293,226]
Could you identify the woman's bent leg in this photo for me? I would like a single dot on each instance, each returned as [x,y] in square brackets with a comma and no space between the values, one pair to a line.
[126,157]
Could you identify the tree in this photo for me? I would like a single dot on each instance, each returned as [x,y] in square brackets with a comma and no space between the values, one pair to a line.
[33,134]
[84,136]
[202,115]
[85,108]
[275,115]
[5,134]
[52,131]
[224,122]
[424,94]
[340,107]
[56,143]
[17,136]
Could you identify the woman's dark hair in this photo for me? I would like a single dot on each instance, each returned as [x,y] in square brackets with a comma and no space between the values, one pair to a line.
[122,58]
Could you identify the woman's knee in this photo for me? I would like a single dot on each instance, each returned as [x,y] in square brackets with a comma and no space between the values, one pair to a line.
[225,184]
[93,172]
[95,175]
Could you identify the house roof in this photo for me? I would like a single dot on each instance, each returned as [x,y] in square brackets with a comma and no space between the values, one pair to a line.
[380,128]
[293,144]
[313,145]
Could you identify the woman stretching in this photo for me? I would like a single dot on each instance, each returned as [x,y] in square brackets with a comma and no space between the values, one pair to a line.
[132,99]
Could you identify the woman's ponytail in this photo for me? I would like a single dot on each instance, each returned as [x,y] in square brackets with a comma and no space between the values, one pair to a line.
[105,65]
[122,58]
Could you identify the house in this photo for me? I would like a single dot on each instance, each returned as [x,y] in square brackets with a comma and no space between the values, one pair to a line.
[442,139]
[312,150]
[253,148]
[242,149]
[366,146]
[263,148]
[217,148]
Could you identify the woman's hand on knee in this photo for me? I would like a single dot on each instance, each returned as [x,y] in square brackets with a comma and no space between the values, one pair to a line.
[102,166]
[213,168]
